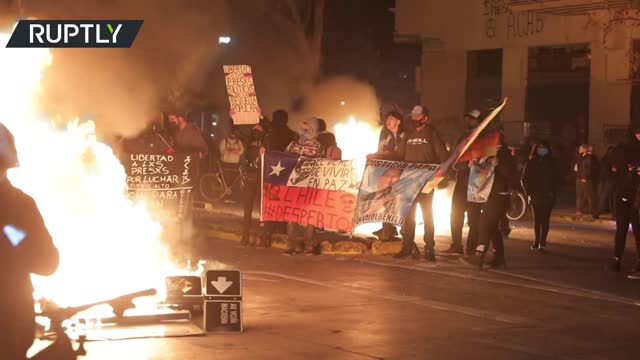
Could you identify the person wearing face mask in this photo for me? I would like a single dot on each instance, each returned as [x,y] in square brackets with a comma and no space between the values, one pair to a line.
[187,136]
[307,146]
[391,136]
[26,248]
[627,167]
[459,203]
[421,145]
[541,180]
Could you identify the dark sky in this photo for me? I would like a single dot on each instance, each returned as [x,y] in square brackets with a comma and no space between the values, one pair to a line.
[358,41]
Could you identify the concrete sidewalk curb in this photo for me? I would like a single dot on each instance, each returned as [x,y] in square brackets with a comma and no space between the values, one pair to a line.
[582,220]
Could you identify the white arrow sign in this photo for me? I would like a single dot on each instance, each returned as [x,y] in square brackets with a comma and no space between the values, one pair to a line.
[222,284]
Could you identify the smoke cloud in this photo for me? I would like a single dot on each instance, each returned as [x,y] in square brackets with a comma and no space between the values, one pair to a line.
[169,58]
[338,98]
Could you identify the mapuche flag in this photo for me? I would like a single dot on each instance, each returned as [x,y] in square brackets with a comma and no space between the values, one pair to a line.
[318,192]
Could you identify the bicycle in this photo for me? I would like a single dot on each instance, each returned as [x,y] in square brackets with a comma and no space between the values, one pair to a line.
[518,205]
[214,185]
[62,346]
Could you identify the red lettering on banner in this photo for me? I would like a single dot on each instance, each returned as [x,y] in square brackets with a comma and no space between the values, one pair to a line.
[321,208]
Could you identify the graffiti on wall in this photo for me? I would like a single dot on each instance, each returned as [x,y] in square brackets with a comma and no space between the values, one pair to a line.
[499,19]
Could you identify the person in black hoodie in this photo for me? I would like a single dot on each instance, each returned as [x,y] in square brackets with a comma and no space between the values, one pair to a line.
[255,143]
[627,168]
[421,145]
[25,248]
[494,208]
[541,180]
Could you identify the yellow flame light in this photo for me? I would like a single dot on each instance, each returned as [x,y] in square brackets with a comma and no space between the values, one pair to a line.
[108,245]
[359,138]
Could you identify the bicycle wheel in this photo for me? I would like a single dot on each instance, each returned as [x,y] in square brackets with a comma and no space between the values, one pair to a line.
[517,206]
[212,188]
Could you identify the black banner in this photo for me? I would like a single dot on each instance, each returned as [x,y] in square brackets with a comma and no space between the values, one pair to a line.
[74,33]
[163,181]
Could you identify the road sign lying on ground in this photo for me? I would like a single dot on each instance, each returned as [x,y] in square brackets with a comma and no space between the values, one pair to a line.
[223,301]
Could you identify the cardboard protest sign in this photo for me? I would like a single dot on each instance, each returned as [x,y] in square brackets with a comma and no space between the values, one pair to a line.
[164,182]
[242,94]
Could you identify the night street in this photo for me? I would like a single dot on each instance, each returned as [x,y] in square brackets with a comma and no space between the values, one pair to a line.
[559,305]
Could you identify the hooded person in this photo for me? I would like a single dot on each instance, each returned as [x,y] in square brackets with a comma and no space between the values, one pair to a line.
[306,146]
[26,248]
[626,166]
[280,135]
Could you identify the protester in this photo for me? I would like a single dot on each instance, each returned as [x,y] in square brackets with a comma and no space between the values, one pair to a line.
[308,146]
[503,167]
[421,145]
[541,181]
[154,139]
[328,141]
[585,182]
[391,136]
[595,181]
[606,199]
[26,247]
[459,203]
[187,137]
[277,139]
[253,173]
[627,167]
[231,149]
[281,135]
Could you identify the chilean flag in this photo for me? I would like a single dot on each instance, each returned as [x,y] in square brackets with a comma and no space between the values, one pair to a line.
[318,192]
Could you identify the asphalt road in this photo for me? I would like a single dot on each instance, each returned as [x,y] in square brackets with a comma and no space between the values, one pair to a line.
[558,305]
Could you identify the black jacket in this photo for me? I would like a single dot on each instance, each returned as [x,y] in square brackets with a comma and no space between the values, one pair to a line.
[587,168]
[626,160]
[25,248]
[279,137]
[423,146]
[541,176]
[505,172]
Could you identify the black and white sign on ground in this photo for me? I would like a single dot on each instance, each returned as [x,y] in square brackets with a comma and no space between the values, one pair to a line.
[223,301]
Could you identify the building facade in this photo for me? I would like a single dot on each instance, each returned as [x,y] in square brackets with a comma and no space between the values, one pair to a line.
[561,61]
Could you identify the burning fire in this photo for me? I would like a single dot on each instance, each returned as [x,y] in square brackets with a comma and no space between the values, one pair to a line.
[108,245]
[357,139]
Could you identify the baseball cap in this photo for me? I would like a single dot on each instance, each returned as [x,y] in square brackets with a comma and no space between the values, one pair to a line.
[419,110]
[475,113]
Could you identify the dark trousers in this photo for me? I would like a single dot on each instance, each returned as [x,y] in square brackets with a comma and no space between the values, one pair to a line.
[409,226]
[458,209]
[503,223]
[473,220]
[606,199]
[586,195]
[388,231]
[626,215]
[542,206]
[17,334]
[489,231]
[252,192]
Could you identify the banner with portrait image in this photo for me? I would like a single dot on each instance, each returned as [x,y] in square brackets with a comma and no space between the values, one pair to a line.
[388,189]
[318,192]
